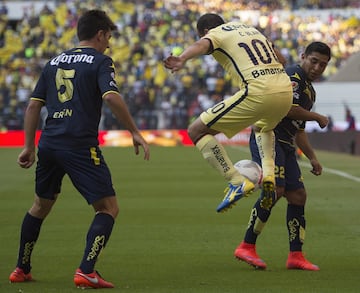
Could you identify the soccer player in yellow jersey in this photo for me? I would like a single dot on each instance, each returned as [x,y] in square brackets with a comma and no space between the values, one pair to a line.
[263,99]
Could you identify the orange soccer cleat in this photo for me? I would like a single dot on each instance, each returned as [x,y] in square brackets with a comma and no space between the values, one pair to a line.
[18,276]
[297,261]
[247,253]
[92,280]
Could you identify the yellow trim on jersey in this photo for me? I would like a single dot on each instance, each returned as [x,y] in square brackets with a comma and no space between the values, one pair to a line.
[286,142]
[296,75]
[110,92]
[37,99]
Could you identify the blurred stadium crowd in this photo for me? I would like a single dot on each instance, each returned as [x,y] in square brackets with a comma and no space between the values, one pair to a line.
[149,31]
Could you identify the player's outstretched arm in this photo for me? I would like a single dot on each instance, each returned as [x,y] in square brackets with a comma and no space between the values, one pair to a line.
[118,106]
[299,113]
[175,63]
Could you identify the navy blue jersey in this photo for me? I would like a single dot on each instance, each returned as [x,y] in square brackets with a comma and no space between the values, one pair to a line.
[303,96]
[72,86]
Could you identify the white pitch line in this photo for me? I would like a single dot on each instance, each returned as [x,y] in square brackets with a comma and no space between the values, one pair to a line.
[334,171]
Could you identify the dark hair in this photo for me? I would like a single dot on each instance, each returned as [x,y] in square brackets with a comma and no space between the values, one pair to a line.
[91,22]
[208,21]
[319,47]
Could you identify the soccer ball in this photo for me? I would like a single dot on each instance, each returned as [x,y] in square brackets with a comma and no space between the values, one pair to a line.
[251,170]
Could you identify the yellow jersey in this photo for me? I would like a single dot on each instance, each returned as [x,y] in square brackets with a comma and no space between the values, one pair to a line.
[248,56]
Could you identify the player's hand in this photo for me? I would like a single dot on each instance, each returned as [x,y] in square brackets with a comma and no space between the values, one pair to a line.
[26,158]
[138,140]
[323,121]
[316,167]
[173,63]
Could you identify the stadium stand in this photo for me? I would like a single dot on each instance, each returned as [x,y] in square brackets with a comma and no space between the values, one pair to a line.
[349,71]
[150,31]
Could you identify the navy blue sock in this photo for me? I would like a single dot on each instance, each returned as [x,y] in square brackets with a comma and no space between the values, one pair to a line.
[97,237]
[30,231]
[258,218]
[296,226]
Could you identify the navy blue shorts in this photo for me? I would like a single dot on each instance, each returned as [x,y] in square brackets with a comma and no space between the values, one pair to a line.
[287,170]
[86,168]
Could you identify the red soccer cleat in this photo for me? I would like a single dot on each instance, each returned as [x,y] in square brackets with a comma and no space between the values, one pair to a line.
[92,280]
[18,276]
[247,253]
[297,261]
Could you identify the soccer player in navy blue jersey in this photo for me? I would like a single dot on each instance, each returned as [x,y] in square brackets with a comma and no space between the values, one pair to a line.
[289,133]
[73,87]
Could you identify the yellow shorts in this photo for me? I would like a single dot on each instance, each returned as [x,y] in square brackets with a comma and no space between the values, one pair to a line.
[241,111]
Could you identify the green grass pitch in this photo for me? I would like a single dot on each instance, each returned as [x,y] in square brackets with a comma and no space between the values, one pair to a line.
[168,237]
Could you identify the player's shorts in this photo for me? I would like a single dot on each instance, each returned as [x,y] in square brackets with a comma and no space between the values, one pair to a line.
[86,168]
[242,110]
[287,170]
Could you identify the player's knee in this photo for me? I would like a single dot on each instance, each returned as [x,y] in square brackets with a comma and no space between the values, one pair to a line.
[115,212]
[192,132]
[198,129]
[41,207]
[107,205]
[296,197]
